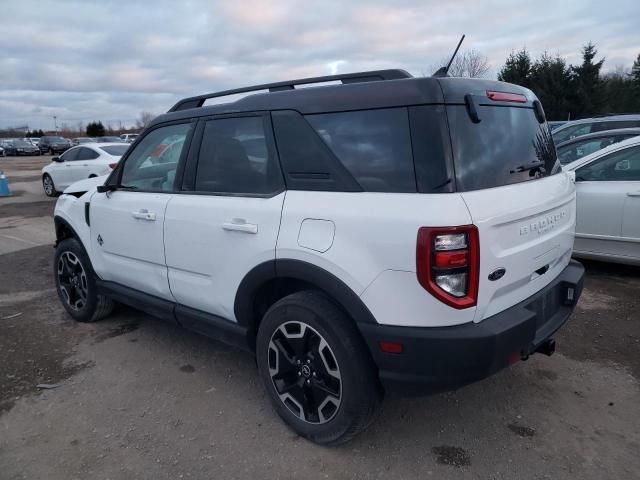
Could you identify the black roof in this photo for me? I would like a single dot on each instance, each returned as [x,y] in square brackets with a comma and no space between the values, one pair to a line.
[376,89]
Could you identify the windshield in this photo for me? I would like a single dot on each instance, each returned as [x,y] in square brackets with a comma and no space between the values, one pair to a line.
[57,140]
[22,143]
[507,146]
[115,150]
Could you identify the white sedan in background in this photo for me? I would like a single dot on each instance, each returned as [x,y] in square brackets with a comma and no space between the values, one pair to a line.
[78,163]
[608,199]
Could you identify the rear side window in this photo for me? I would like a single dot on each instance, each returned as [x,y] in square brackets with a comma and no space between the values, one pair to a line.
[507,146]
[235,157]
[373,145]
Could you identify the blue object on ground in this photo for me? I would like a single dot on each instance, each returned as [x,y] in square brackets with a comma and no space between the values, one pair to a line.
[4,186]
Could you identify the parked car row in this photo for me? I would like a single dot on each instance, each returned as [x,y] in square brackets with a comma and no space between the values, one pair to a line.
[55,145]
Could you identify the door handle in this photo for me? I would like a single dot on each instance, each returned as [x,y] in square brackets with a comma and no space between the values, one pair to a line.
[633,194]
[144,214]
[240,225]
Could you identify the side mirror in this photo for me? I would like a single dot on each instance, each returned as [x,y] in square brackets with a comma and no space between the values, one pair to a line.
[57,159]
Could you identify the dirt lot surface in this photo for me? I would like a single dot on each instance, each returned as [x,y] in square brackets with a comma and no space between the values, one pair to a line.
[132,397]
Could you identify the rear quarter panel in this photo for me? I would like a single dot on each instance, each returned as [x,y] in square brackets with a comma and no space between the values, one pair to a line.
[374,248]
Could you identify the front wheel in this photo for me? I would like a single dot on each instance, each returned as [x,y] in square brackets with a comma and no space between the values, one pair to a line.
[316,368]
[48,186]
[76,283]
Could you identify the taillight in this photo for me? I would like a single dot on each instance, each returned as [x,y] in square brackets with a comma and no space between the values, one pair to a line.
[448,264]
[506,97]
[113,165]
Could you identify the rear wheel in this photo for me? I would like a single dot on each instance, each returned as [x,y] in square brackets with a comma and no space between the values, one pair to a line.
[76,283]
[48,185]
[316,368]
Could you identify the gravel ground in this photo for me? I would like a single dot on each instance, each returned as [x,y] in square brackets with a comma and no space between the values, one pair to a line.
[133,397]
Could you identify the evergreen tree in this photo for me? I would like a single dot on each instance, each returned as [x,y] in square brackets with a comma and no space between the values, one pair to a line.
[517,69]
[95,129]
[635,70]
[589,92]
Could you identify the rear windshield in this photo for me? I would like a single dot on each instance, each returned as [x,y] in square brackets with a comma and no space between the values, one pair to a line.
[507,146]
[115,150]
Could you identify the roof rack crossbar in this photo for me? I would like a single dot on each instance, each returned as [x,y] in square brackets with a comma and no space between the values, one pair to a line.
[375,75]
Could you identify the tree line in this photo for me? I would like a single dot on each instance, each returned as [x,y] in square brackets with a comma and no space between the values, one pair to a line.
[569,92]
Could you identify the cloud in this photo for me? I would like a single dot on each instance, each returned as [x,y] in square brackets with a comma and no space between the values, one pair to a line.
[111,59]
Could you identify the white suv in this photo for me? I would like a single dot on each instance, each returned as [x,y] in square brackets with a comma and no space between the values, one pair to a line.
[388,233]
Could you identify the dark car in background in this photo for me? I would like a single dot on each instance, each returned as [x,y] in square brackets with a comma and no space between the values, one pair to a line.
[53,145]
[20,147]
[584,145]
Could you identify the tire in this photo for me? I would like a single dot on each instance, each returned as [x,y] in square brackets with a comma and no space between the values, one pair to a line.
[328,356]
[76,283]
[51,152]
[48,186]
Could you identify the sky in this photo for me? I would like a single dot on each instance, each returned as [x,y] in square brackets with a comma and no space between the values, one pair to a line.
[110,60]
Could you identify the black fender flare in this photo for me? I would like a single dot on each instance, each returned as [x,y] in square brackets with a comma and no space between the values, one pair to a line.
[60,225]
[311,274]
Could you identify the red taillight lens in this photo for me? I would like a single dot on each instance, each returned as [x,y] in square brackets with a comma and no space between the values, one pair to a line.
[113,165]
[448,263]
[452,259]
[506,97]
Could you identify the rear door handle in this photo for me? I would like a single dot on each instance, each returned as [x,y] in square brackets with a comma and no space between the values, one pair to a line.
[144,214]
[240,225]
[633,194]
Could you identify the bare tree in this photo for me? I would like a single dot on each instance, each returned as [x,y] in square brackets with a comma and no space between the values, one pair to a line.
[144,118]
[470,63]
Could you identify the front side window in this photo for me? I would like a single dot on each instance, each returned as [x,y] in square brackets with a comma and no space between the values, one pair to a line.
[620,166]
[153,163]
[373,145]
[235,158]
[70,155]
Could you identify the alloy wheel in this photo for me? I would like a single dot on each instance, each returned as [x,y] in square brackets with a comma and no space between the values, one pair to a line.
[47,184]
[72,280]
[305,372]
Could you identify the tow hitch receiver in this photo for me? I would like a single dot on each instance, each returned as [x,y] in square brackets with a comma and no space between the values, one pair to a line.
[548,347]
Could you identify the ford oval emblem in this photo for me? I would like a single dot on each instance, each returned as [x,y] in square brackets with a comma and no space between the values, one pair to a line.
[497,274]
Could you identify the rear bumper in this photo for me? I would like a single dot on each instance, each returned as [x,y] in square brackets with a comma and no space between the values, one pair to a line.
[443,358]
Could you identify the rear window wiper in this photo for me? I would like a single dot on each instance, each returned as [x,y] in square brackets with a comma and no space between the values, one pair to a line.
[531,166]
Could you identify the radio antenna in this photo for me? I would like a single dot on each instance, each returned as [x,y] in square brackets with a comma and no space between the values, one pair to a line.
[444,71]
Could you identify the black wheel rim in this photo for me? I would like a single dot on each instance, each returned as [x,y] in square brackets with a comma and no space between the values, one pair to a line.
[305,372]
[72,280]
[48,185]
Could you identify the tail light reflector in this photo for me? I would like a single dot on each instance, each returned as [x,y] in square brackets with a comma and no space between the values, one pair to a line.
[448,264]
[113,165]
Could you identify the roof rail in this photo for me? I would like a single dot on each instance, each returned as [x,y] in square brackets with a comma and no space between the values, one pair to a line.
[372,76]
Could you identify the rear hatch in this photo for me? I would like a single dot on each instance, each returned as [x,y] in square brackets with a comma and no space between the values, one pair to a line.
[508,175]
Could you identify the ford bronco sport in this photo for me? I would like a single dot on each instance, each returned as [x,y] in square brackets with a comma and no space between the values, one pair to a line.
[388,233]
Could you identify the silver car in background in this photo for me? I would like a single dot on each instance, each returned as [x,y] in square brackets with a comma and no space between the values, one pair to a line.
[608,203]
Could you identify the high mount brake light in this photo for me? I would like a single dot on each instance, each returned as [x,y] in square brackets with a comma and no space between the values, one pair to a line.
[506,97]
[448,264]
